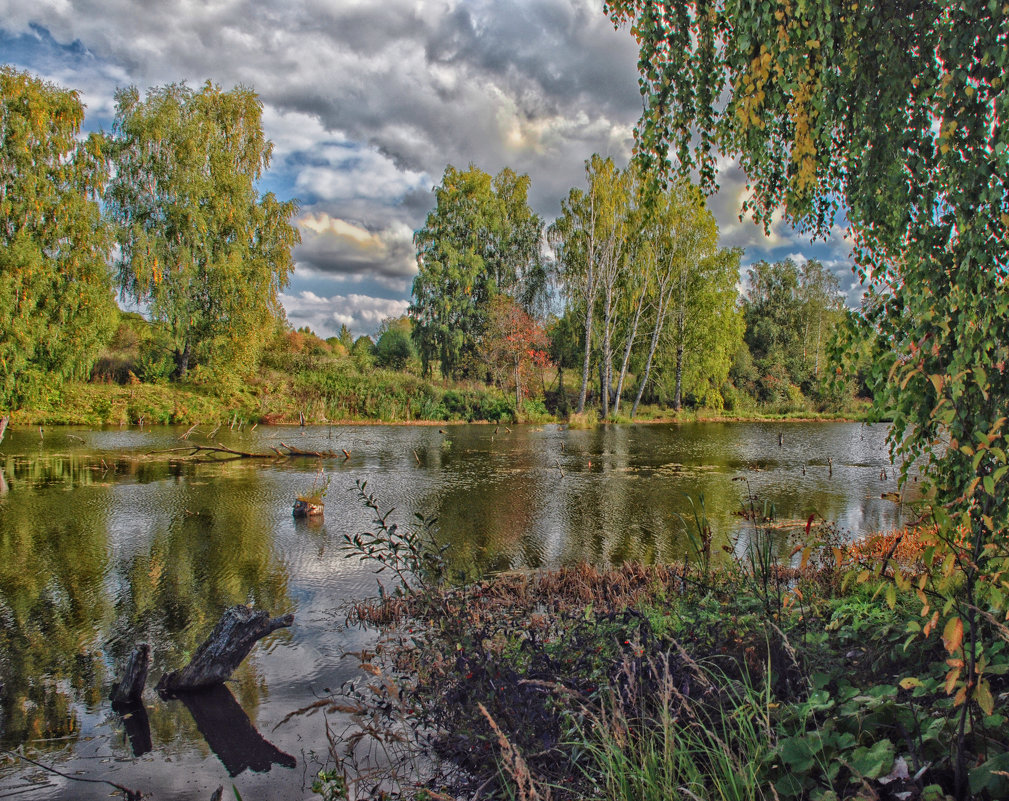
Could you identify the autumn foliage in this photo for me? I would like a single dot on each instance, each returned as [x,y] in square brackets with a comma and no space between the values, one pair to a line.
[514,347]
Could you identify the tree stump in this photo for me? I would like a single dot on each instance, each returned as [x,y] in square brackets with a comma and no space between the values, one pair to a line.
[131,687]
[303,508]
[228,644]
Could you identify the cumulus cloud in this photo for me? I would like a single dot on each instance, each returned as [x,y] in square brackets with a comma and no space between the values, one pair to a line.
[367,103]
[336,247]
[362,314]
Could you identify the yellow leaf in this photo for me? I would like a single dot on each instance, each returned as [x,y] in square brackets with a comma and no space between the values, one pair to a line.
[891,596]
[909,683]
[961,696]
[952,634]
[951,679]
[983,696]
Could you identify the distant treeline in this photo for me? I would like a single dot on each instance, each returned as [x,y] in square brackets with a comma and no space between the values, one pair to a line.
[628,290]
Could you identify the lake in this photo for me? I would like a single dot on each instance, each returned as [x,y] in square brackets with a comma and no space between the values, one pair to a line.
[108,538]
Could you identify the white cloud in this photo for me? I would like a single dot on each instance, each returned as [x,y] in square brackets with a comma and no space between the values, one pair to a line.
[336,247]
[344,171]
[362,314]
[368,102]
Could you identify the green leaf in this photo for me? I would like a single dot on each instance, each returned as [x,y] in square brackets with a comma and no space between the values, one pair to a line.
[986,777]
[871,763]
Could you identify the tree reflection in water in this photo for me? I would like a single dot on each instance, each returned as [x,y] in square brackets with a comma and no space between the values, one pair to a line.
[75,598]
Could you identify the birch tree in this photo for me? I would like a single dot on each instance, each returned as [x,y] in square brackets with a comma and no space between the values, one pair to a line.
[56,301]
[199,247]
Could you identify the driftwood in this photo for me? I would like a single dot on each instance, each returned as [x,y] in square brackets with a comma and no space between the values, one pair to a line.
[195,451]
[228,644]
[131,687]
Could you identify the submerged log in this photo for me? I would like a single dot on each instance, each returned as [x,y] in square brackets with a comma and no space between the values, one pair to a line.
[228,644]
[131,687]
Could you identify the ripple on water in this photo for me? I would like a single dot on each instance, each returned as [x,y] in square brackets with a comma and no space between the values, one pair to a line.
[101,546]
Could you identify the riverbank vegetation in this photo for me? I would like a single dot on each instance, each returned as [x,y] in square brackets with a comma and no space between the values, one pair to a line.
[626,306]
[802,668]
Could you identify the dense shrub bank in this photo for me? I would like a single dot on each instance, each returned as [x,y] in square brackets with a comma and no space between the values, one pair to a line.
[811,679]
[304,378]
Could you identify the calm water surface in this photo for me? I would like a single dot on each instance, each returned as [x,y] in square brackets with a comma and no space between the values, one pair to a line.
[104,543]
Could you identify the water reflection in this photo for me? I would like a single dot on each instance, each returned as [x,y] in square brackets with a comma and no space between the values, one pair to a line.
[83,578]
[103,545]
[230,734]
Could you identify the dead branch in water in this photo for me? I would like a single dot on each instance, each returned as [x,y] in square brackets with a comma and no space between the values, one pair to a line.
[275,454]
[228,644]
[131,795]
[313,454]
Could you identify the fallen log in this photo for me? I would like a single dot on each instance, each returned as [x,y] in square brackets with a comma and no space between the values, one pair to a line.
[192,451]
[225,453]
[228,644]
[131,687]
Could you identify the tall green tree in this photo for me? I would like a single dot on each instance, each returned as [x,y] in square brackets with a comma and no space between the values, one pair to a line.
[701,300]
[894,115]
[792,313]
[199,246]
[56,301]
[773,310]
[822,312]
[706,326]
[590,239]
[480,240]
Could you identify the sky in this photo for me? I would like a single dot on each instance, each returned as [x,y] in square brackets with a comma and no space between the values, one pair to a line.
[367,102]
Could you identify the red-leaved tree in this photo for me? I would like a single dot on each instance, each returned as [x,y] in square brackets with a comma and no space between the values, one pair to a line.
[514,347]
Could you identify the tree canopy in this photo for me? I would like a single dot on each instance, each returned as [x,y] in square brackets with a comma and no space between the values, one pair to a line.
[481,239]
[199,246]
[643,274]
[56,301]
[792,313]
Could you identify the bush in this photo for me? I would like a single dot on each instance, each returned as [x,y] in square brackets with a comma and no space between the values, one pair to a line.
[394,349]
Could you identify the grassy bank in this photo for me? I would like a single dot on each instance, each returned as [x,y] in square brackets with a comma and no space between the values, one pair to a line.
[315,397]
[333,394]
[755,680]
[301,377]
